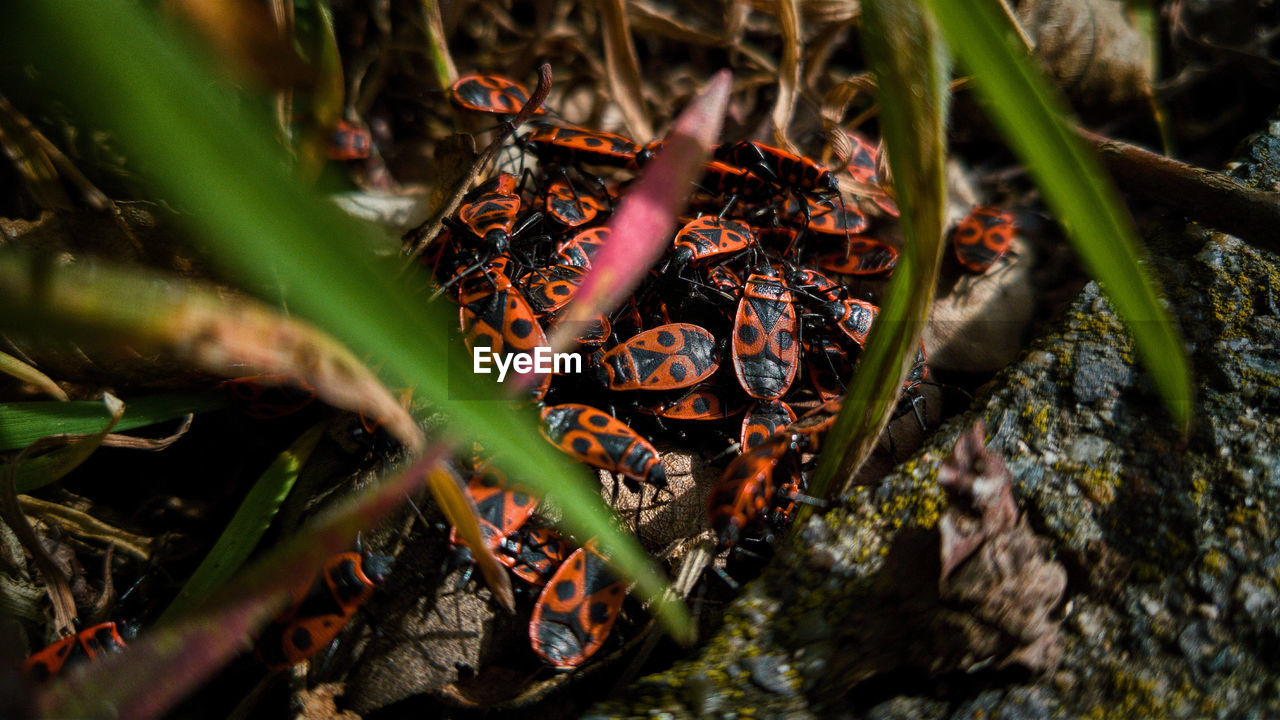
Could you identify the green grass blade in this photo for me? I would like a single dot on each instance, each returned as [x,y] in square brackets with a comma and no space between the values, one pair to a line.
[1030,114]
[234,185]
[23,423]
[251,520]
[912,70]
[36,472]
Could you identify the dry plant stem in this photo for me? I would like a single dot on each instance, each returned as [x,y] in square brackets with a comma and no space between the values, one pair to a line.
[86,527]
[1202,195]
[107,598]
[1013,20]
[15,368]
[57,585]
[130,442]
[421,236]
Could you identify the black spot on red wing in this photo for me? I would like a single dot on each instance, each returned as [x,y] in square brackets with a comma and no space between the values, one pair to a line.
[748,334]
[666,338]
[561,289]
[520,499]
[678,371]
[754,438]
[599,612]
[565,589]
[39,672]
[700,405]
[521,327]
[598,419]
[581,446]
[300,638]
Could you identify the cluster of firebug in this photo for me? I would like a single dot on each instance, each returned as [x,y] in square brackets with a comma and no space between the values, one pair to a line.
[748,315]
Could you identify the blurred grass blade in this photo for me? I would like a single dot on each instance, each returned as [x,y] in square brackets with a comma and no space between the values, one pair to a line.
[234,187]
[191,648]
[313,28]
[246,527]
[641,229]
[223,335]
[1031,115]
[18,370]
[911,66]
[437,45]
[25,422]
[36,472]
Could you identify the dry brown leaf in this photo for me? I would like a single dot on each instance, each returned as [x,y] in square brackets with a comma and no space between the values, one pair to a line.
[788,72]
[735,22]
[1097,58]
[979,590]
[830,36]
[649,20]
[321,702]
[623,69]
[993,565]
[833,12]
[834,106]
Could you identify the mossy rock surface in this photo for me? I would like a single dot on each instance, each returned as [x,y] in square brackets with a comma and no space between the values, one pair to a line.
[1170,542]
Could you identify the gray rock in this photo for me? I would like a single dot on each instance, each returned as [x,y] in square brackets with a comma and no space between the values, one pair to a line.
[1171,543]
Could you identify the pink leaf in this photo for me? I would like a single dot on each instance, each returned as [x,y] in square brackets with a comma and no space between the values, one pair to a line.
[642,228]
